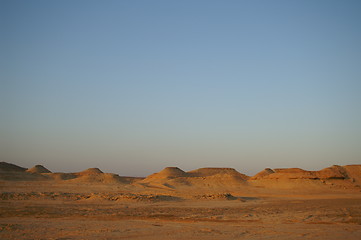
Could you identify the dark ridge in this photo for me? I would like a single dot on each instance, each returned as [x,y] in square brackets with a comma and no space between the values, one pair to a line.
[9,167]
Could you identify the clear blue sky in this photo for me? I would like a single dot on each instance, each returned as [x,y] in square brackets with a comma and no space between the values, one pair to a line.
[135,86]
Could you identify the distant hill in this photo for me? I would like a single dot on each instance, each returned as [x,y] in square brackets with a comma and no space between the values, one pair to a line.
[332,178]
[8,167]
[38,169]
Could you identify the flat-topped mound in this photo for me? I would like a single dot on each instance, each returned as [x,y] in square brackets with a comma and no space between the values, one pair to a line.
[91,171]
[206,172]
[334,178]
[333,172]
[9,167]
[203,172]
[169,172]
[38,169]
[289,170]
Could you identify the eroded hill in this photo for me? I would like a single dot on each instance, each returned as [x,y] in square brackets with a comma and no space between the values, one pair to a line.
[204,180]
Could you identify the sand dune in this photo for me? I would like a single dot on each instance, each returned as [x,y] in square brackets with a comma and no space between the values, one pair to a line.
[38,169]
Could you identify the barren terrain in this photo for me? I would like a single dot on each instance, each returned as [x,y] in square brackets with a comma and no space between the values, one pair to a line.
[209,203]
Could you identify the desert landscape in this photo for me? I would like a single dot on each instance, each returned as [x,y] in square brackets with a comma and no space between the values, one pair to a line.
[207,203]
[180,120]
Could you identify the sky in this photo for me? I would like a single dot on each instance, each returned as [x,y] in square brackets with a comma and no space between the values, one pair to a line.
[132,87]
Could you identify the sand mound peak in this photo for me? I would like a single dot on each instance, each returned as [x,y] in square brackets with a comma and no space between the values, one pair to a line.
[12,172]
[106,178]
[9,167]
[92,175]
[38,169]
[263,173]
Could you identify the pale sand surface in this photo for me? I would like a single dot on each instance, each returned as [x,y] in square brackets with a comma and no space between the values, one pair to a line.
[75,215]
[271,219]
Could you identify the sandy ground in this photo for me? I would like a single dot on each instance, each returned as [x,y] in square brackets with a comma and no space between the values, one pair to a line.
[207,203]
[34,211]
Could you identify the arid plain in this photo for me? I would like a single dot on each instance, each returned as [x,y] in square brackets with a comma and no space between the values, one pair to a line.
[207,203]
